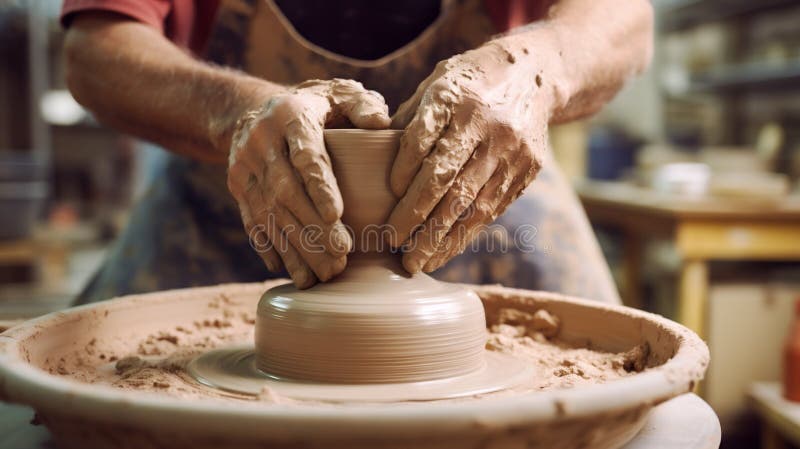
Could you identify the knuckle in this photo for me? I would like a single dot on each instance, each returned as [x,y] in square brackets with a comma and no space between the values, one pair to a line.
[505,131]
[441,169]
[287,105]
[348,84]
[235,189]
[282,187]
[318,190]
[441,91]
[442,65]
[482,208]
[464,191]
[304,158]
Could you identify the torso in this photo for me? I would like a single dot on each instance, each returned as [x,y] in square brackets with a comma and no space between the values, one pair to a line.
[187,231]
[284,55]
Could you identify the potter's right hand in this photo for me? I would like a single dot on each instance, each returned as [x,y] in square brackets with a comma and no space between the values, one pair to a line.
[281,176]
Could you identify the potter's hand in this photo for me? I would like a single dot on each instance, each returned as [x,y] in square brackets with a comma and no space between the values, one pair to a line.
[475,132]
[280,174]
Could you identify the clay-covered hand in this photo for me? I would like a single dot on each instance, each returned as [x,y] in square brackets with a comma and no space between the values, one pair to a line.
[281,176]
[475,133]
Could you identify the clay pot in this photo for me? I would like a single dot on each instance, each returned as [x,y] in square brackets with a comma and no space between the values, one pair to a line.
[374,323]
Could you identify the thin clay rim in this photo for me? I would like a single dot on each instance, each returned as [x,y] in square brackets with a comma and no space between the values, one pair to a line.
[21,382]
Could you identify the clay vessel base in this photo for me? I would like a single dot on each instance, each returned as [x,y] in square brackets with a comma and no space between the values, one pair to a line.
[234,370]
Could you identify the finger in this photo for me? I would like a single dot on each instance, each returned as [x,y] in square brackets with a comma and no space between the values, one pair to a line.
[483,211]
[253,220]
[364,108]
[406,111]
[525,168]
[416,143]
[435,176]
[254,137]
[246,180]
[321,263]
[333,237]
[477,172]
[263,246]
[301,274]
[310,160]
[517,188]
[243,185]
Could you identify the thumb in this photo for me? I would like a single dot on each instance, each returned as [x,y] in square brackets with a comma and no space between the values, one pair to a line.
[370,113]
[405,112]
[408,109]
[364,108]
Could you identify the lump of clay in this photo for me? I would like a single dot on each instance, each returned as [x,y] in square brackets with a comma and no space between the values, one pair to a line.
[540,321]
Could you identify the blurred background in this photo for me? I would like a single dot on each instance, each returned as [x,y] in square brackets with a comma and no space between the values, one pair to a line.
[690,178]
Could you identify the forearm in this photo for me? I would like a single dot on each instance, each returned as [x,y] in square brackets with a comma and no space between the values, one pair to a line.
[133,78]
[595,46]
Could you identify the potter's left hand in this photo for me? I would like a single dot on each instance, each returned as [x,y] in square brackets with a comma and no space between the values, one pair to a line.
[475,133]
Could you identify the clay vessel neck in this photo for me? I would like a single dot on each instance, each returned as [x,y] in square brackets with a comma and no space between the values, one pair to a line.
[362,161]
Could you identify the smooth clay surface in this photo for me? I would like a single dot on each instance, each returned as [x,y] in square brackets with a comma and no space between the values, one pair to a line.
[374,323]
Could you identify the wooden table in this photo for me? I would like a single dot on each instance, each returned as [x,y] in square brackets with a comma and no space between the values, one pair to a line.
[685,422]
[703,230]
[780,418]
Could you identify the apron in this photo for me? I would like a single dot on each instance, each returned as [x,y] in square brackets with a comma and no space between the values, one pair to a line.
[186,230]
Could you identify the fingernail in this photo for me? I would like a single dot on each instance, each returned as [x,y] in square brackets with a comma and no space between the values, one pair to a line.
[343,239]
[301,278]
[412,264]
[339,240]
[329,213]
[331,270]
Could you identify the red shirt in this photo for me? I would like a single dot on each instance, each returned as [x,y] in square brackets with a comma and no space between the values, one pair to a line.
[188,22]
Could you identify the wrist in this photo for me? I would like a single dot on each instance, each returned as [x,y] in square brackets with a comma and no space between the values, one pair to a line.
[247,97]
[538,53]
[597,53]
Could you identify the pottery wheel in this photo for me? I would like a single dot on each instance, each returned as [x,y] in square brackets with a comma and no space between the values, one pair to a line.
[90,407]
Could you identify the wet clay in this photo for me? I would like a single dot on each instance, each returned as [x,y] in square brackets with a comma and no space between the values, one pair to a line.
[584,390]
[155,362]
[476,128]
[375,324]
[280,174]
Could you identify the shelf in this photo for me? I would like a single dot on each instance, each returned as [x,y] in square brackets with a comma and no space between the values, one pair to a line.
[748,77]
[677,15]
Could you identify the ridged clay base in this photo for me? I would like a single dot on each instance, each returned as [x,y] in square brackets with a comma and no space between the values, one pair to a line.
[373,334]
[234,370]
